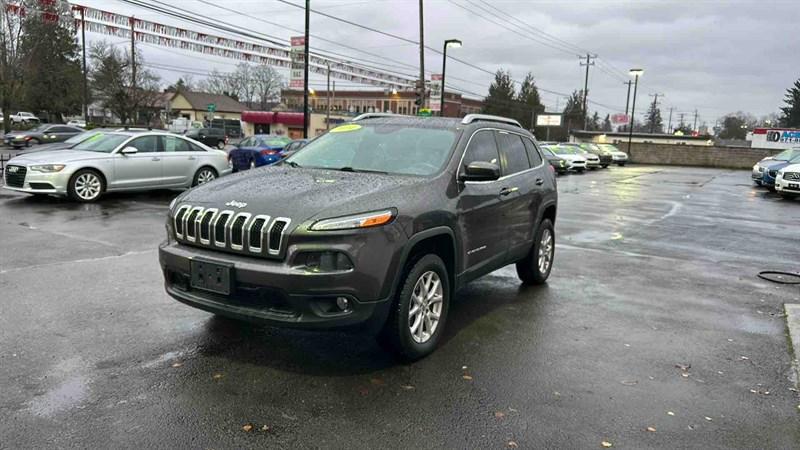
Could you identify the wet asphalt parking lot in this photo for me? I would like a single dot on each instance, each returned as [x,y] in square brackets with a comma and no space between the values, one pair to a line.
[653,318]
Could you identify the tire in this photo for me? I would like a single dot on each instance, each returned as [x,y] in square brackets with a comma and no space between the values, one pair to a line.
[204,175]
[621,164]
[86,186]
[579,170]
[397,333]
[221,145]
[535,268]
[605,166]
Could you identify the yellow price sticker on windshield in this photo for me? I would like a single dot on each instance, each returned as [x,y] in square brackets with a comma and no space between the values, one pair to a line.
[346,128]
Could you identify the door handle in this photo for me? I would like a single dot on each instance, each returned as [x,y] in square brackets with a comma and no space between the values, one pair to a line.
[539,181]
[156,158]
[507,191]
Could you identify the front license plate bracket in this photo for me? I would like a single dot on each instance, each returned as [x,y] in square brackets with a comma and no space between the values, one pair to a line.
[211,276]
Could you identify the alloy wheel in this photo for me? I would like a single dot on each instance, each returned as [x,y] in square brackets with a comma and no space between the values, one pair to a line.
[87,186]
[205,176]
[545,251]
[425,309]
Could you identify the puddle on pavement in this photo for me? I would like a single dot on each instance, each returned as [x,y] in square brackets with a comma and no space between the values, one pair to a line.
[69,394]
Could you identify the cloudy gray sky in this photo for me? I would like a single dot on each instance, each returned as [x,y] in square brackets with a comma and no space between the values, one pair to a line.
[713,56]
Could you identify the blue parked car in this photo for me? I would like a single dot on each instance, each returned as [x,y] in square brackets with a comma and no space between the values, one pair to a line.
[765,171]
[258,150]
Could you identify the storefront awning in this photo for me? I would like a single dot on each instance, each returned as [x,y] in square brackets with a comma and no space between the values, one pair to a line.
[292,119]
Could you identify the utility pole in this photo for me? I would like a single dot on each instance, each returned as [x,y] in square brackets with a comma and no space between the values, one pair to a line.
[305,73]
[669,127]
[588,63]
[694,128]
[653,112]
[85,75]
[680,125]
[328,96]
[421,54]
[133,66]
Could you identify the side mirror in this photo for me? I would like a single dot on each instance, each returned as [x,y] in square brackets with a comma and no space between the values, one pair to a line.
[480,171]
[129,150]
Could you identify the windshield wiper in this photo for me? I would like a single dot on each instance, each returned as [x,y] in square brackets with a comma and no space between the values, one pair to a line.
[350,169]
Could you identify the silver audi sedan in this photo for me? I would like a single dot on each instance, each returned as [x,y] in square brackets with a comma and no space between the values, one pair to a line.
[116,161]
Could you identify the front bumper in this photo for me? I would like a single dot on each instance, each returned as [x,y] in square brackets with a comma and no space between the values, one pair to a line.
[42,183]
[787,186]
[272,292]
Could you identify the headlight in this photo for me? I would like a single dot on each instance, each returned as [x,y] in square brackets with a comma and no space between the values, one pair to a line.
[172,203]
[562,163]
[365,220]
[47,168]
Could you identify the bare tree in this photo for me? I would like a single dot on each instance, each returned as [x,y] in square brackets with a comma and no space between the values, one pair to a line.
[255,86]
[111,83]
[11,57]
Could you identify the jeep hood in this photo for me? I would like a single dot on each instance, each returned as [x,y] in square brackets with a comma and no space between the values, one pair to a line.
[303,194]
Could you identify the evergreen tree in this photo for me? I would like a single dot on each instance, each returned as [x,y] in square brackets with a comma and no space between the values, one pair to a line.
[594,122]
[53,80]
[573,112]
[607,126]
[791,112]
[501,100]
[654,123]
[530,102]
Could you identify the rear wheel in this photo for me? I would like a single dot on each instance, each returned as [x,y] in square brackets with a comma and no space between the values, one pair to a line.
[85,186]
[204,175]
[419,312]
[535,267]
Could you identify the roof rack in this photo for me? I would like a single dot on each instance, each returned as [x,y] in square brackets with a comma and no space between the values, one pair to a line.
[371,116]
[469,118]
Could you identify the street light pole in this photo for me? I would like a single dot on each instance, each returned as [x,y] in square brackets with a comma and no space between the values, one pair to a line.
[636,73]
[305,74]
[455,43]
[328,95]
[85,75]
[421,87]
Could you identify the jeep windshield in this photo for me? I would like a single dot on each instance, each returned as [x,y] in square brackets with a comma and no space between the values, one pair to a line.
[393,148]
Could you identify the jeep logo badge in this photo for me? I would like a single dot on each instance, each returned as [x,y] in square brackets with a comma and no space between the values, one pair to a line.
[236,204]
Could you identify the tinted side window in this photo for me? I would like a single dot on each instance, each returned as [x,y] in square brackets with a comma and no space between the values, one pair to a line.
[533,154]
[513,153]
[482,147]
[174,144]
[145,144]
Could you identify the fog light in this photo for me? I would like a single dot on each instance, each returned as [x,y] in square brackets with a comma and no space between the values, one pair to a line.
[319,262]
[342,303]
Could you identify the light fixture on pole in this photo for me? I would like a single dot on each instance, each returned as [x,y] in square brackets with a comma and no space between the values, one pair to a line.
[635,73]
[452,43]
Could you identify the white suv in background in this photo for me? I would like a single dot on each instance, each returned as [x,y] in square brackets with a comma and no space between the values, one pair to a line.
[787,183]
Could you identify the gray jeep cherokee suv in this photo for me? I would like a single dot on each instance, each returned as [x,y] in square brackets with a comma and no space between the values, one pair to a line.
[373,225]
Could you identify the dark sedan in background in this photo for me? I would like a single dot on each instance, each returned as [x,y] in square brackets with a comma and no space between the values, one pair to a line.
[43,134]
[212,137]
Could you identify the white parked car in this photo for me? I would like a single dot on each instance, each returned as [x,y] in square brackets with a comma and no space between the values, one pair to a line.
[77,123]
[116,161]
[24,117]
[576,158]
[787,182]
[617,157]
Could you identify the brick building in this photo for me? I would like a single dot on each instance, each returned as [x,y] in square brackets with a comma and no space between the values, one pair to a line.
[397,102]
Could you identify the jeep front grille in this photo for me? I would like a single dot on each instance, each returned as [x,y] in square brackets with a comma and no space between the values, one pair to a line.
[231,231]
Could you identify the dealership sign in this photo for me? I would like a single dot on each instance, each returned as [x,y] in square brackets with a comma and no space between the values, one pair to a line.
[789,136]
[436,91]
[548,120]
[620,119]
[297,54]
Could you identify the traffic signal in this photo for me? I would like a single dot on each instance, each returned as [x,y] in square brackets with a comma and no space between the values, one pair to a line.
[419,101]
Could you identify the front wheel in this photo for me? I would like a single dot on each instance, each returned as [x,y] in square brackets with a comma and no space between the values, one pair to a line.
[85,186]
[605,166]
[221,145]
[419,312]
[535,267]
[203,176]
